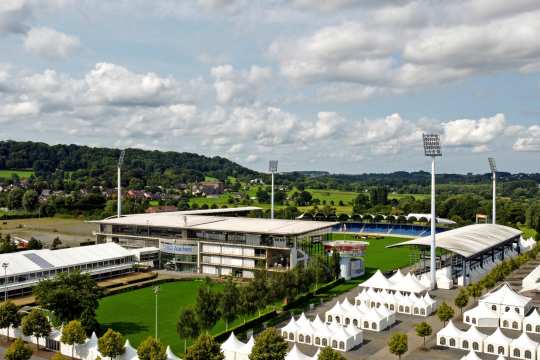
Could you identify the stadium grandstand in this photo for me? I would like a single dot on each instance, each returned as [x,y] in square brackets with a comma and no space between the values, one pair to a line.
[464,254]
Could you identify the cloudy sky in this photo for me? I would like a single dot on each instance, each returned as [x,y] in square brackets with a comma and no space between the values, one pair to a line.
[337,85]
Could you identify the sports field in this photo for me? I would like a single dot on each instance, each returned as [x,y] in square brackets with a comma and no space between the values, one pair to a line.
[133,313]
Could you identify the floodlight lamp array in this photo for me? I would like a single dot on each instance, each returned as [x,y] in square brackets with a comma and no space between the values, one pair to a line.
[432,144]
[121,158]
[272,166]
[492,165]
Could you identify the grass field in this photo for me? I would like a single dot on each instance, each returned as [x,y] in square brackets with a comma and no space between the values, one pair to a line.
[133,313]
[23,174]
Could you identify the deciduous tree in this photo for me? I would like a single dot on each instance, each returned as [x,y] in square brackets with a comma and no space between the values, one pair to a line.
[228,302]
[36,324]
[152,349]
[329,354]
[462,299]
[18,351]
[187,326]
[204,348]
[72,334]
[423,329]
[445,312]
[398,344]
[111,344]
[8,316]
[269,345]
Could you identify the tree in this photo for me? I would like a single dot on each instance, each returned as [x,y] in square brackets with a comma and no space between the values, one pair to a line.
[247,301]
[204,348]
[207,306]
[229,302]
[18,351]
[360,203]
[59,356]
[34,244]
[475,290]
[111,344]
[152,349]
[56,243]
[8,316]
[72,334]
[329,354]
[269,345]
[445,312]
[14,199]
[335,265]
[30,200]
[398,344]
[462,299]
[262,196]
[70,296]
[423,329]
[187,326]
[36,324]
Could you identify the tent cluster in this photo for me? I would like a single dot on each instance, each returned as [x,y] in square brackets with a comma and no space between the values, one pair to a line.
[319,334]
[405,284]
[234,349]
[505,308]
[86,351]
[497,343]
[397,294]
[361,316]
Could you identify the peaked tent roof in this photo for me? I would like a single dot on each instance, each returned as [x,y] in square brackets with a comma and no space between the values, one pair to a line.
[471,356]
[498,338]
[474,334]
[170,354]
[505,295]
[482,311]
[450,330]
[296,354]
[378,281]
[533,317]
[232,344]
[524,341]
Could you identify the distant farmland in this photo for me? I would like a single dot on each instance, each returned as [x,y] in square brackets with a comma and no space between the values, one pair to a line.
[23,174]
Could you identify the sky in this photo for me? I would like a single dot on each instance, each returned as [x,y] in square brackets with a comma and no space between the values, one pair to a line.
[346,86]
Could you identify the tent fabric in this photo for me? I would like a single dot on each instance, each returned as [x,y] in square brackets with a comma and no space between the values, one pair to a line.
[497,343]
[481,316]
[510,320]
[296,354]
[505,296]
[531,323]
[521,345]
[377,281]
[450,336]
[397,282]
[473,339]
[471,356]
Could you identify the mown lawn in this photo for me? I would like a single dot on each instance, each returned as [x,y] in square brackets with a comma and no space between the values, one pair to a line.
[133,313]
[23,174]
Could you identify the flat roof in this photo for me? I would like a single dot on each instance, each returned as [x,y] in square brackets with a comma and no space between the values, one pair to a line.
[220,223]
[42,260]
[468,240]
[219,211]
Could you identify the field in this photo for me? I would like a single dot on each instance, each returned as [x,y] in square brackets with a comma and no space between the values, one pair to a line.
[70,231]
[23,174]
[133,313]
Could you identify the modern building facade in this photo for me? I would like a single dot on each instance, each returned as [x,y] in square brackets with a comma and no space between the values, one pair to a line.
[216,244]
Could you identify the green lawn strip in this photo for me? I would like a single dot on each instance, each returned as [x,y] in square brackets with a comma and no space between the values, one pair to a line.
[527,232]
[23,174]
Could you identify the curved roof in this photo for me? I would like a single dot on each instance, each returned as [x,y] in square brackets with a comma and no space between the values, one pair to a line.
[468,240]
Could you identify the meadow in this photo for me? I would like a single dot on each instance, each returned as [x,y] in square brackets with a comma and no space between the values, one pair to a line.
[23,174]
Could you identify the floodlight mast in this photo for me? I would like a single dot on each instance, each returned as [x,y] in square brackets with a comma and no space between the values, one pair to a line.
[493,168]
[119,184]
[272,167]
[432,148]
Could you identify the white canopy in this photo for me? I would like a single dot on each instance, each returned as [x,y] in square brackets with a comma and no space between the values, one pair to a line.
[471,356]
[232,344]
[130,353]
[170,354]
[498,338]
[336,310]
[304,324]
[482,315]
[377,281]
[450,330]
[524,342]
[317,322]
[296,354]
[410,284]
[505,295]
[473,334]
[291,327]
[397,277]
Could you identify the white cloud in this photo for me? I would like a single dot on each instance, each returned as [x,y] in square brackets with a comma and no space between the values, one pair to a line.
[19,109]
[530,142]
[469,132]
[50,43]
[238,87]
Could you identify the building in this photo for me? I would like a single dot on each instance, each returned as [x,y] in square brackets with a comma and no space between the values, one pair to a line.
[205,241]
[208,188]
[468,252]
[26,268]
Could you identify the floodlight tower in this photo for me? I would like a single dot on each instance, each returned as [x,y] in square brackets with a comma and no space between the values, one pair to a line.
[432,148]
[119,183]
[272,167]
[493,167]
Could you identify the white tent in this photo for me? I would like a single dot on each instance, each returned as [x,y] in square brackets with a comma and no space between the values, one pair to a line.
[342,339]
[390,301]
[405,305]
[305,330]
[504,299]
[296,354]
[130,353]
[397,277]
[523,347]
[375,298]
[374,321]
[510,320]
[377,281]
[450,336]
[362,297]
[497,343]
[421,307]
[410,285]
[531,323]
[481,316]
[471,356]
[170,354]
[389,315]
[232,346]
[473,339]
[290,330]
[335,314]
[431,301]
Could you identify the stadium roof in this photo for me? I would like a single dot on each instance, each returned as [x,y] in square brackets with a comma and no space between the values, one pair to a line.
[43,260]
[220,223]
[219,211]
[468,240]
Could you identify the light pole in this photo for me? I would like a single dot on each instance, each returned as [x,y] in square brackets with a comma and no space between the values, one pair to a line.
[156,292]
[272,167]
[119,183]
[5,266]
[432,148]
[493,167]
